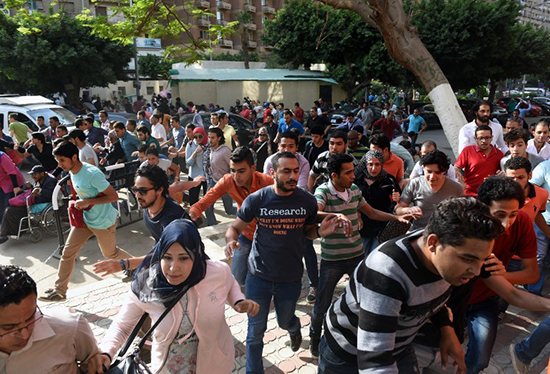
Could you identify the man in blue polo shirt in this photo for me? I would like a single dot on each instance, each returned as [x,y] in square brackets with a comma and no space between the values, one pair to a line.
[288,123]
[415,122]
[130,143]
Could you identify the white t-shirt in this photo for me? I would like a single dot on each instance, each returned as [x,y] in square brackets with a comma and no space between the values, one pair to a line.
[164,164]
[86,153]
[544,152]
[158,131]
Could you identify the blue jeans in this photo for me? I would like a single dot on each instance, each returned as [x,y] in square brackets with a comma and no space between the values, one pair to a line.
[331,273]
[482,321]
[239,266]
[543,242]
[285,296]
[330,363]
[370,244]
[310,258]
[227,206]
[4,201]
[529,348]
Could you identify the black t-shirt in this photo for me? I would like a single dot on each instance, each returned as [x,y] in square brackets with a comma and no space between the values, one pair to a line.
[169,213]
[45,157]
[378,195]
[312,151]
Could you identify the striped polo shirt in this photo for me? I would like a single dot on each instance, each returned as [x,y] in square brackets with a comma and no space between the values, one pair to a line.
[338,246]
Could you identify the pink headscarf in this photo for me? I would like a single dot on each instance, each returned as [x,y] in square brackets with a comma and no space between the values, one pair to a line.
[200,131]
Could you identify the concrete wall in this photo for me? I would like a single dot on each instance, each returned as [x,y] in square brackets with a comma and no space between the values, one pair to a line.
[127,88]
[225,93]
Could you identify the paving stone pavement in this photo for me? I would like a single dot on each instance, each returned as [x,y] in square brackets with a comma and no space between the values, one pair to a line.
[101,301]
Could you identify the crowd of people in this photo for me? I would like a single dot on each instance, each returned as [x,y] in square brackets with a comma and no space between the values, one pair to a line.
[430,249]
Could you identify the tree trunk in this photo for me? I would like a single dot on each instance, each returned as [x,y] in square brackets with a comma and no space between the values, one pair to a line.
[492,90]
[244,43]
[406,48]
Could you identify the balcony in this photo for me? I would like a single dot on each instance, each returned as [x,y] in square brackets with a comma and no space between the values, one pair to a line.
[226,43]
[250,26]
[203,22]
[250,8]
[224,5]
[252,44]
[202,4]
[268,9]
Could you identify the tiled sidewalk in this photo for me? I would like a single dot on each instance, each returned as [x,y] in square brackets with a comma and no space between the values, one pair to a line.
[101,301]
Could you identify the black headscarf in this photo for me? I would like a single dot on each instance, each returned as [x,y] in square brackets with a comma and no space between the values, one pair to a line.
[150,285]
[361,171]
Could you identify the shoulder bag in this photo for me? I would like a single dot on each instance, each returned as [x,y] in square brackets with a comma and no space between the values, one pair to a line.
[133,364]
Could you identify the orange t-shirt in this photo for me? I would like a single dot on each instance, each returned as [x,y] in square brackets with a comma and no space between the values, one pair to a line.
[535,201]
[395,167]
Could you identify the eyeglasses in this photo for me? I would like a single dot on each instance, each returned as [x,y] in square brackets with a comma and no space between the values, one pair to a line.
[27,326]
[141,190]
[198,137]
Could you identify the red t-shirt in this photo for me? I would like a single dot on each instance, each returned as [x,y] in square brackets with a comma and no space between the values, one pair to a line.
[387,127]
[520,240]
[477,166]
[299,114]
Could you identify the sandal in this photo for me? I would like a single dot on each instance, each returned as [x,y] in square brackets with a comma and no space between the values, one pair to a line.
[54,297]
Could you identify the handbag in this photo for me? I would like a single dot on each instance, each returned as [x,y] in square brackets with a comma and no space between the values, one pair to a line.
[76,216]
[133,364]
[21,199]
[393,229]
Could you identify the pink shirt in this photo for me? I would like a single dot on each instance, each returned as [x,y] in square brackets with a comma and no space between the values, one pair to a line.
[206,310]
[7,168]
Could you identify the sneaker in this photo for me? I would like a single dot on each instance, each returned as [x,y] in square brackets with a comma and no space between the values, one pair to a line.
[312,294]
[314,346]
[296,341]
[52,297]
[519,366]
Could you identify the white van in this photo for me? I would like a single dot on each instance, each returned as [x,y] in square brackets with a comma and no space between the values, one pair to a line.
[28,108]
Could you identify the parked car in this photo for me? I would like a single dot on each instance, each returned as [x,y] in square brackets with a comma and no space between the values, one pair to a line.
[28,108]
[343,112]
[242,126]
[536,110]
[544,103]
[113,116]
[428,113]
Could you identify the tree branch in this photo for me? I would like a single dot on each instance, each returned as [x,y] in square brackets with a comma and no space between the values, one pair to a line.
[360,7]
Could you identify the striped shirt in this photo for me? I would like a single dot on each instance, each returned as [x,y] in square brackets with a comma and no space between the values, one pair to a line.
[390,296]
[338,246]
[320,167]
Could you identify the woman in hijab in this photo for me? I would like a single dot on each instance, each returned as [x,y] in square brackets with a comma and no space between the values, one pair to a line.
[380,189]
[194,336]
[261,145]
[194,158]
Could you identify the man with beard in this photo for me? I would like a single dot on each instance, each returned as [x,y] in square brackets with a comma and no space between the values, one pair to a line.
[159,210]
[284,215]
[466,135]
[539,145]
[478,161]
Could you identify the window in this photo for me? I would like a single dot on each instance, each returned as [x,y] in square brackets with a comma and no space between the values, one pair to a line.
[150,90]
[68,6]
[161,88]
[204,35]
[101,11]
[122,90]
[219,16]
[264,3]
